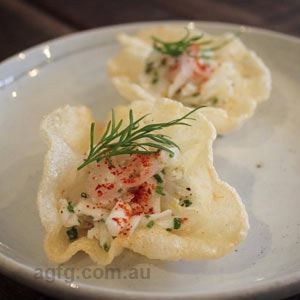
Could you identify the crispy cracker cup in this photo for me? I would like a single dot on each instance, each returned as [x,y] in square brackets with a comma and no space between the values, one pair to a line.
[217,220]
[243,79]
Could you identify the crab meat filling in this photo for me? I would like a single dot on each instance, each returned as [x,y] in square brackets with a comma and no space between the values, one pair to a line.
[120,195]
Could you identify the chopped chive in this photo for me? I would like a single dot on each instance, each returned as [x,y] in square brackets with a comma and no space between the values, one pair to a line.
[214,100]
[155,77]
[185,202]
[150,224]
[149,67]
[83,195]
[72,234]
[175,48]
[177,223]
[106,247]
[147,216]
[70,207]
[159,190]
[163,61]
[158,178]
[196,94]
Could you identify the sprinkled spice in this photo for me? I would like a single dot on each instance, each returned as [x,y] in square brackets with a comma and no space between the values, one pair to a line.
[70,207]
[106,247]
[177,223]
[83,195]
[196,94]
[185,202]
[72,234]
[158,178]
[119,221]
[150,224]
[169,229]
[141,197]
[159,190]
[106,186]
[147,216]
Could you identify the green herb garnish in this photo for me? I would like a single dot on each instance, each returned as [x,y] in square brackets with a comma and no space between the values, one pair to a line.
[105,247]
[169,229]
[158,178]
[211,49]
[70,207]
[150,224]
[72,234]
[163,61]
[159,190]
[131,139]
[185,202]
[177,223]
[155,77]
[179,47]
[175,48]
[214,100]
[149,67]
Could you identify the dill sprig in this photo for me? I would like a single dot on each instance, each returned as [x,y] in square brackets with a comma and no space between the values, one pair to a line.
[175,48]
[179,47]
[133,139]
[224,43]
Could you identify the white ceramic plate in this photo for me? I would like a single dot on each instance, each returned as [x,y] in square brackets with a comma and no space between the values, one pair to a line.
[261,160]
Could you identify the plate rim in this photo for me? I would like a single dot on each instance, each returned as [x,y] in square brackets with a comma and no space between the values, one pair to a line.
[286,285]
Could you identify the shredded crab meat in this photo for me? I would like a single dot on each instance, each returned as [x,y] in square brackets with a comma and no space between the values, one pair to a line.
[118,220]
[125,187]
[68,218]
[89,208]
[121,195]
[184,70]
[109,180]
